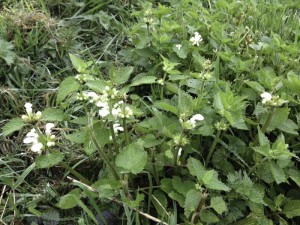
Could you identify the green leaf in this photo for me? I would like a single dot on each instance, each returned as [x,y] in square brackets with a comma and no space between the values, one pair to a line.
[132,158]
[218,204]
[6,52]
[279,117]
[50,159]
[208,216]
[66,87]
[164,105]
[96,85]
[12,126]
[101,133]
[77,137]
[277,172]
[191,202]
[196,168]
[69,201]
[263,140]
[81,120]
[210,180]
[160,202]
[50,217]
[78,63]
[185,103]
[143,80]
[182,186]
[255,85]
[123,74]
[22,177]
[292,209]
[51,114]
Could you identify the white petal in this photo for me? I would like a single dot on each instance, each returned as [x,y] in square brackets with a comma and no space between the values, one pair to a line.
[29,140]
[197,117]
[266,96]
[37,147]
[104,112]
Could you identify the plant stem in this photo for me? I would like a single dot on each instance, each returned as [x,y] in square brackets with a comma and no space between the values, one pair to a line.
[75,173]
[175,159]
[113,135]
[212,148]
[268,121]
[104,157]
[154,166]
[126,132]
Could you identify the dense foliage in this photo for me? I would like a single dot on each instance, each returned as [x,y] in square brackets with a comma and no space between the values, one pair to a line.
[150,112]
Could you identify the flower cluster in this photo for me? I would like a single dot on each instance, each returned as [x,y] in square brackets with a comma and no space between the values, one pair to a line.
[81,77]
[192,122]
[40,140]
[196,39]
[268,99]
[122,111]
[31,116]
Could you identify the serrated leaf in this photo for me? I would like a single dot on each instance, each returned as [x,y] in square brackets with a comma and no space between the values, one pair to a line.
[132,158]
[12,126]
[292,209]
[50,159]
[182,186]
[185,103]
[66,87]
[295,176]
[81,120]
[196,168]
[191,202]
[51,114]
[218,204]
[277,172]
[77,137]
[255,85]
[78,63]
[208,216]
[69,200]
[210,180]
[160,202]
[96,85]
[143,80]
[279,117]
[50,217]
[122,75]
[263,140]
[164,105]
[101,133]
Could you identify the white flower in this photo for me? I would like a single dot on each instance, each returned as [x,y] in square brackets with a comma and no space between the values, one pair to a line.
[104,111]
[179,152]
[266,97]
[28,107]
[48,127]
[38,114]
[117,127]
[31,137]
[196,39]
[37,147]
[30,115]
[195,118]
[178,46]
